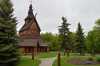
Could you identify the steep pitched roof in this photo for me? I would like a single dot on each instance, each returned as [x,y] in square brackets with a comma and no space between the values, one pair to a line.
[30,17]
[33,43]
[28,42]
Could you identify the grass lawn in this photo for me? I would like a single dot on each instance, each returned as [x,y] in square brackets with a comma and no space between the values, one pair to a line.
[64,61]
[47,54]
[28,62]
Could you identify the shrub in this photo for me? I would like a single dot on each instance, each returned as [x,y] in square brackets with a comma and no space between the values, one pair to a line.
[98,59]
[90,59]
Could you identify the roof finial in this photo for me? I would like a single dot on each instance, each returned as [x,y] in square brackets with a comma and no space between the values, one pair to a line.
[30,12]
[30,1]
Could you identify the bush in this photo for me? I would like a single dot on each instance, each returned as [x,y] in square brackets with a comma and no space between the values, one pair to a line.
[90,59]
[98,59]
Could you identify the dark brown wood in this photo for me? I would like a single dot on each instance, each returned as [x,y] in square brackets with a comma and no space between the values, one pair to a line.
[59,59]
[31,31]
[32,53]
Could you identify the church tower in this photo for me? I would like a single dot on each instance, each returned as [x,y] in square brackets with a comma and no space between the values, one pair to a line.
[31,28]
[30,35]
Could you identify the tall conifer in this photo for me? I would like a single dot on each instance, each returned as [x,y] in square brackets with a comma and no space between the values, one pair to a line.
[64,35]
[80,46]
[8,35]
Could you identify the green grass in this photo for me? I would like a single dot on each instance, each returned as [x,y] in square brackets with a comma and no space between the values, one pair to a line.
[28,62]
[65,63]
[47,54]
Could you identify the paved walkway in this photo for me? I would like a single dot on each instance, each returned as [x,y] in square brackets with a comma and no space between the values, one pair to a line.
[47,61]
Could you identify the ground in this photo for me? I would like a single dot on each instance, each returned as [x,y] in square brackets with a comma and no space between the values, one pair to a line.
[47,54]
[50,59]
[65,59]
[47,61]
[26,61]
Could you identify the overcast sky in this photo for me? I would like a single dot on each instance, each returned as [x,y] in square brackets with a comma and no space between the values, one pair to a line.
[49,13]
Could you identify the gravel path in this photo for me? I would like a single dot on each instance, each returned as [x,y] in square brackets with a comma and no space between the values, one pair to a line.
[47,61]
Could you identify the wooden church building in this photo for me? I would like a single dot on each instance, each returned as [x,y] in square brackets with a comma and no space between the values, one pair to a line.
[29,34]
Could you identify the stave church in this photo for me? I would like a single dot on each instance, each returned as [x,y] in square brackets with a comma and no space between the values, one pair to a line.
[30,39]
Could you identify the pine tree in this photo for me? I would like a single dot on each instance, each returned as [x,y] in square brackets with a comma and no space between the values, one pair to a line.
[64,35]
[80,46]
[8,36]
[93,39]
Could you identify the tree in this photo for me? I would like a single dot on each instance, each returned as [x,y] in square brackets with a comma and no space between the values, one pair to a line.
[51,40]
[80,44]
[96,30]
[72,40]
[90,43]
[93,39]
[55,43]
[64,35]
[8,36]
[46,37]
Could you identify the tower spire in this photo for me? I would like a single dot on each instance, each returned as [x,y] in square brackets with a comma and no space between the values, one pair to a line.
[30,12]
[30,1]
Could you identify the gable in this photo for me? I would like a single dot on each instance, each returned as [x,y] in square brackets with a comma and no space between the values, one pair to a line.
[30,30]
[34,29]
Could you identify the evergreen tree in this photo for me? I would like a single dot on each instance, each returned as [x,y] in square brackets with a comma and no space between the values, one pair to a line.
[90,43]
[64,35]
[93,39]
[8,37]
[96,30]
[80,44]
[72,40]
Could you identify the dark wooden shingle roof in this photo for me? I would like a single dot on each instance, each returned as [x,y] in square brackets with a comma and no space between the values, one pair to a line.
[29,20]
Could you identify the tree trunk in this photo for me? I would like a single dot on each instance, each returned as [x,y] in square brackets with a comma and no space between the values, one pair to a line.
[68,53]
[64,52]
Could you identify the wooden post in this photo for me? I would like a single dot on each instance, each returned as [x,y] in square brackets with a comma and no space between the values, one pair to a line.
[32,53]
[59,59]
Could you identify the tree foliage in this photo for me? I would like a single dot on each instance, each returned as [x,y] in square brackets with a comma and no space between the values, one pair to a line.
[8,36]
[93,39]
[64,35]
[80,45]
[51,40]
[72,41]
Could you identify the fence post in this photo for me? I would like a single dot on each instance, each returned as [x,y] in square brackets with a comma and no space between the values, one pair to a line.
[59,59]
[33,54]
